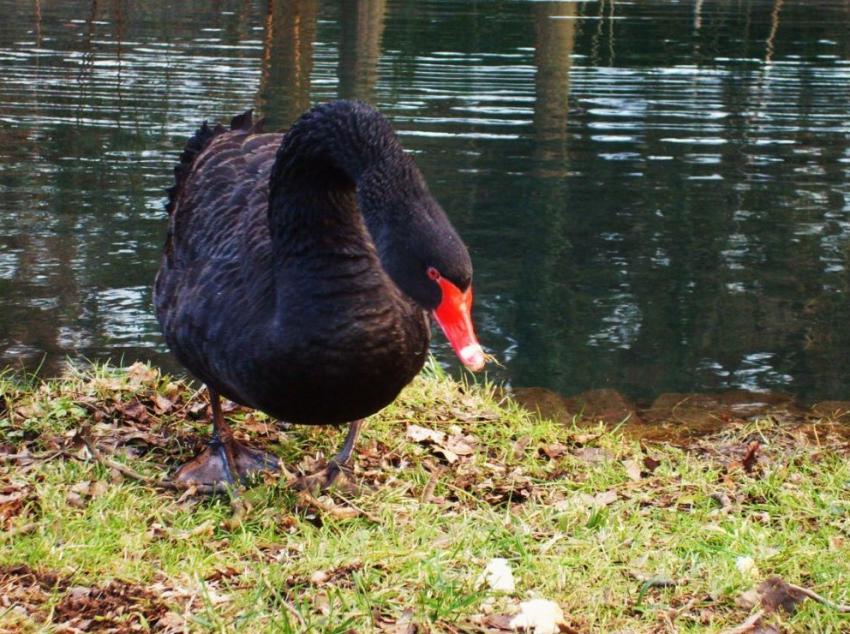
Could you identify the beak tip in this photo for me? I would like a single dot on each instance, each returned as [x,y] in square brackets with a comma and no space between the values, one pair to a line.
[472,356]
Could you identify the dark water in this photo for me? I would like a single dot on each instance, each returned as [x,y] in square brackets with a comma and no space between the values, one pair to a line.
[656,194]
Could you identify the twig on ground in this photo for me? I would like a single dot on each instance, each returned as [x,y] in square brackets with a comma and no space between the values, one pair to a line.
[428,491]
[372,518]
[24,529]
[840,607]
[291,609]
[307,499]
[27,459]
[189,489]
[112,464]
[747,626]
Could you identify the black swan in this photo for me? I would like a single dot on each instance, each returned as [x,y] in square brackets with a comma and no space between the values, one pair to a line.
[297,275]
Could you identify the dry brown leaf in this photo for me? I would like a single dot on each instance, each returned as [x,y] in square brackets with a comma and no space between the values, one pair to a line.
[416,433]
[98,488]
[134,410]
[448,455]
[402,625]
[461,444]
[141,374]
[632,470]
[751,457]
[554,450]
[75,500]
[837,543]
[587,500]
[519,447]
[12,501]
[651,464]
[162,405]
[197,409]
[171,623]
[776,593]
[749,599]
[252,425]
[592,455]
[749,461]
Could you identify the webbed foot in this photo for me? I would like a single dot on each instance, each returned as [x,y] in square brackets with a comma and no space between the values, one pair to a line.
[226,462]
[320,481]
[340,464]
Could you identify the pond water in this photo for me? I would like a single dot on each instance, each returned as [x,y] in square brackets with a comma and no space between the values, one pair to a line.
[656,195]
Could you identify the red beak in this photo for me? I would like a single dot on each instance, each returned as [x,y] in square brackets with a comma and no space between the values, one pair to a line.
[454,314]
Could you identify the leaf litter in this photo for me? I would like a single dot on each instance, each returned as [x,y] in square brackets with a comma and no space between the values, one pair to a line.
[143,424]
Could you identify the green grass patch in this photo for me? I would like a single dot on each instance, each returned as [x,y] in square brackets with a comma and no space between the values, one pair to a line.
[623,536]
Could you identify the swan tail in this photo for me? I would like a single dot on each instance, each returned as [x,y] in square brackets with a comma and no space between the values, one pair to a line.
[244,123]
[194,146]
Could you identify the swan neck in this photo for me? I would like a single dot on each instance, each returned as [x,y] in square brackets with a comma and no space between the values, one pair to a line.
[340,158]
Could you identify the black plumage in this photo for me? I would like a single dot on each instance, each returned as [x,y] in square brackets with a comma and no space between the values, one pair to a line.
[295,273]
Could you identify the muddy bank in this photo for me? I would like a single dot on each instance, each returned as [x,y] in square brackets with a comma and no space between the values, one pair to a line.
[676,416]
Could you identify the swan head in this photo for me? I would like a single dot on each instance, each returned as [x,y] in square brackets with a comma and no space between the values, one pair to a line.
[425,257]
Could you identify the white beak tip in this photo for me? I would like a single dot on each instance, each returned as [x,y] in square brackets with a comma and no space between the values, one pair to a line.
[472,356]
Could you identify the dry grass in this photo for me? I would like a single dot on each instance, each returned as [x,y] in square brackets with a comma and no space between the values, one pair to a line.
[624,537]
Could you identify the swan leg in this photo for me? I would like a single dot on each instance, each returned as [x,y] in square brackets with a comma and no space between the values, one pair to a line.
[324,479]
[225,460]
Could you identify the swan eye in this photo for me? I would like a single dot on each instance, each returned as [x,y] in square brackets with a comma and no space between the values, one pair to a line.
[433,273]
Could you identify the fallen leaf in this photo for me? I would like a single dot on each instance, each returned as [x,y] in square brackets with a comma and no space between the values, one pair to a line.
[519,447]
[98,488]
[777,593]
[197,409]
[403,625]
[319,577]
[632,470]
[650,463]
[75,500]
[227,572]
[501,622]
[134,410]
[141,374]
[12,501]
[592,455]
[554,450]
[747,566]
[81,487]
[498,576]
[205,528]
[539,616]
[586,500]
[171,623]
[460,444]
[447,454]
[751,457]
[423,434]
[604,498]
[162,405]
[252,425]
[322,603]
[749,599]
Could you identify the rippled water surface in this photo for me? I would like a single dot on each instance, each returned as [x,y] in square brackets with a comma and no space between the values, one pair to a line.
[656,194]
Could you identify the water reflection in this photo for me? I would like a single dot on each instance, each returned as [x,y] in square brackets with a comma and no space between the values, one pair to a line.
[655,194]
[290,30]
[361,28]
[547,265]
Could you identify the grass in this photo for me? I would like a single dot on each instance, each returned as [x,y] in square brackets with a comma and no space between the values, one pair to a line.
[623,536]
